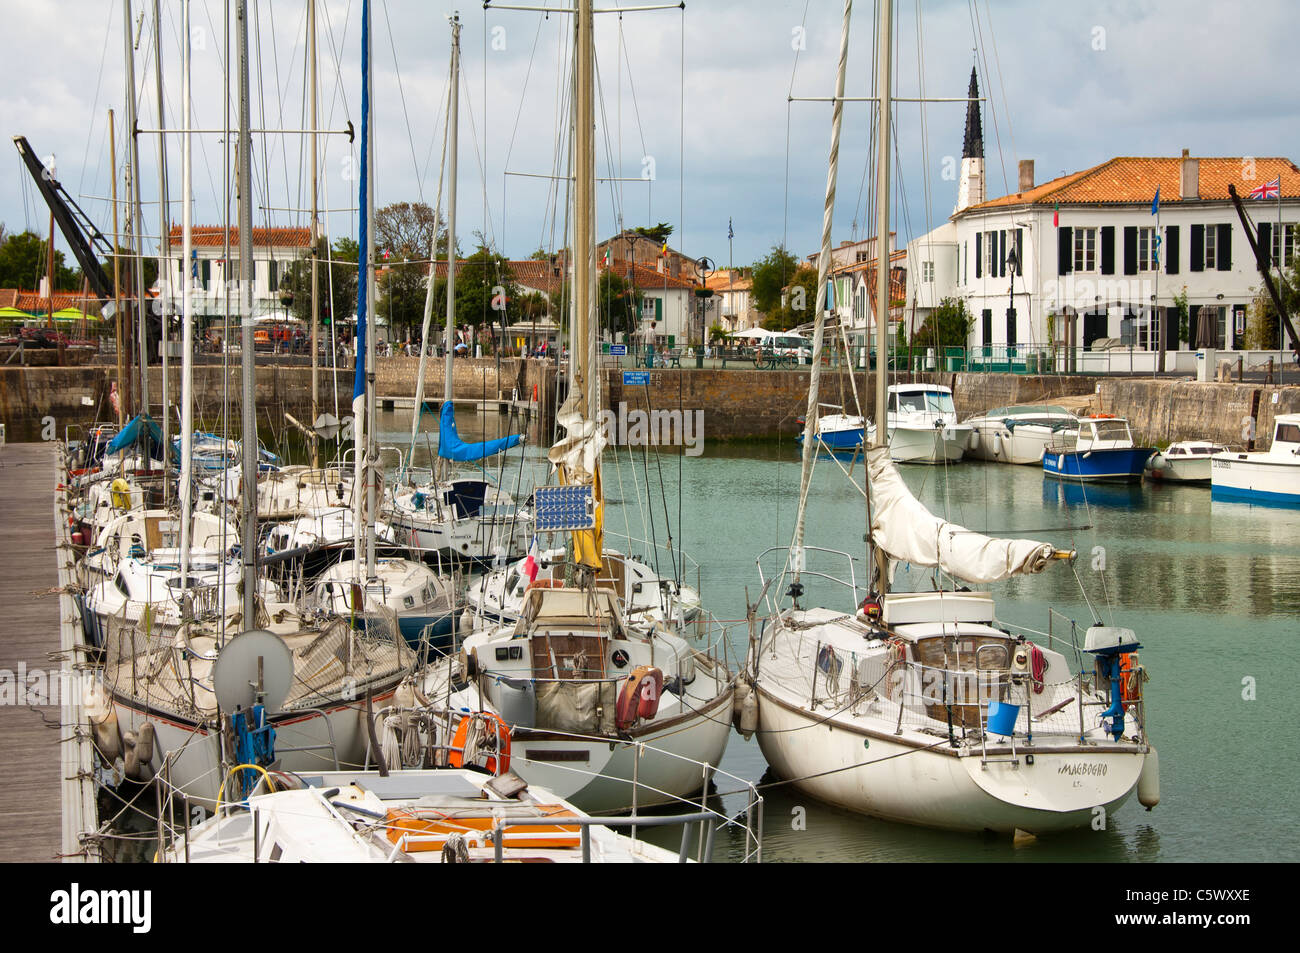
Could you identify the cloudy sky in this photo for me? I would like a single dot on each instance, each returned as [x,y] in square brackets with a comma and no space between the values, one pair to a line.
[697,99]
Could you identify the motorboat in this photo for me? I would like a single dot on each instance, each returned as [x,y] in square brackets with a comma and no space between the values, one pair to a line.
[1186,461]
[1269,477]
[1018,434]
[1102,450]
[922,424]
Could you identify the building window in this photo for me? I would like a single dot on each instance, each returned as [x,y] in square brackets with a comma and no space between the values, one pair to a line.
[1085,249]
[990,253]
[1147,249]
[927,271]
[1285,239]
[1211,239]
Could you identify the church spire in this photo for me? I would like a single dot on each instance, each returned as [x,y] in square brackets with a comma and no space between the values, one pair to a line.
[973,147]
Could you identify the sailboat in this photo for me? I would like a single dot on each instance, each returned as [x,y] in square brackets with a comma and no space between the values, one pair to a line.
[924,707]
[575,683]
[159,706]
[462,518]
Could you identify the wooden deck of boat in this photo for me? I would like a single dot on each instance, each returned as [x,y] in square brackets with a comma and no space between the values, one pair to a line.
[30,795]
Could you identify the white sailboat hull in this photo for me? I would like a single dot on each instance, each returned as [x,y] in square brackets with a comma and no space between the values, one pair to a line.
[898,781]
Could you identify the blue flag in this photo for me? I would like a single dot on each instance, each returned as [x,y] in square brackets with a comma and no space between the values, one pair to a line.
[1155,202]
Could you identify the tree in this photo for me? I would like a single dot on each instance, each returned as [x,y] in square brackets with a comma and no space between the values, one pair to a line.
[1264,329]
[797,303]
[657,233]
[771,276]
[23,260]
[337,285]
[486,294]
[948,325]
[405,230]
[1184,316]
[617,305]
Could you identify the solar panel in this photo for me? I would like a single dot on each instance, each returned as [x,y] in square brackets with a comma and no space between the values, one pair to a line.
[564,508]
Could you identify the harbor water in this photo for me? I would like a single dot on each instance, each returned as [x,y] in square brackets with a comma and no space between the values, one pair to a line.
[1211,589]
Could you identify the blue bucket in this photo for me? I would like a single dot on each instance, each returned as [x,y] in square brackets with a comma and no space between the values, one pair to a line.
[1002,718]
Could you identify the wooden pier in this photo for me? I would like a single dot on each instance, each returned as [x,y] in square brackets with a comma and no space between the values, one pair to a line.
[30,795]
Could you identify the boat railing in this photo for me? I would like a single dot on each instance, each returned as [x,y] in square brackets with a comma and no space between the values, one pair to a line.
[700,818]
[950,702]
[850,585]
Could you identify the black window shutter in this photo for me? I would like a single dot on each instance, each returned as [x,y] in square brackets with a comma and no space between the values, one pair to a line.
[1223,251]
[1108,250]
[1064,251]
[1011,326]
[1130,250]
[1266,242]
[987,321]
[1198,248]
[1169,250]
[979,256]
[1020,252]
[1002,253]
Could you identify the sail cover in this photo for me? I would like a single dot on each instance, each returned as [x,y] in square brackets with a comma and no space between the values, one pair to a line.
[142,430]
[451,447]
[576,457]
[909,532]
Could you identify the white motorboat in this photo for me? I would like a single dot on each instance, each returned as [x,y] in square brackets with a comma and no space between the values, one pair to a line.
[1187,461]
[1268,477]
[1018,434]
[922,425]
[466,519]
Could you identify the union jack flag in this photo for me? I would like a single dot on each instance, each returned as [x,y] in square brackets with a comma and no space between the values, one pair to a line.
[1269,190]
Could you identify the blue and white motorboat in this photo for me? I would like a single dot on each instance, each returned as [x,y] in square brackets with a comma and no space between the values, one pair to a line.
[1271,477]
[1102,450]
[838,432]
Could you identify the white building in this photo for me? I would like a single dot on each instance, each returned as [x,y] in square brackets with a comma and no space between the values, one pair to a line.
[1082,261]
[274,252]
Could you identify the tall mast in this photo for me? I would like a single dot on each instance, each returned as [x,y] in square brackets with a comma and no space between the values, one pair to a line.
[369,277]
[884,41]
[584,190]
[134,198]
[823,268]
[164,239]
[248,437]
[453,122]
[187,297]
[315,236]
[123,386]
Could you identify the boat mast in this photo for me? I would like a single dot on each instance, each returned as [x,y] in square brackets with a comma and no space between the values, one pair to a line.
[819,326]
[124,389]
[884,63]
[583,244]
[369,277]
[187,299]
[884,41]
[164,244]
[315,237]
[453,92]
[248,438]
[134,199]
[453,121]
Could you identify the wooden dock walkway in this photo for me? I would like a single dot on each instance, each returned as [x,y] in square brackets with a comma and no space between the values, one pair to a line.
[30,795]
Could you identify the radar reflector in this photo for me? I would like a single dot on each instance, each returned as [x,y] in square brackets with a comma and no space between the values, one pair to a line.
[254,668]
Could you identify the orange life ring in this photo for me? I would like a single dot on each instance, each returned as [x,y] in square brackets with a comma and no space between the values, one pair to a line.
[1130,678]
[498,763]
[1103,416]
[639,696]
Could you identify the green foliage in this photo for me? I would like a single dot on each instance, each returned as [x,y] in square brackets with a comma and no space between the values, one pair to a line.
[1262,326]
[771,275]
[1184,316]
[479,278]
[948,325]
[338,264]
[617,310]
[797,303]
[23,260]
[717,333]
[658,233]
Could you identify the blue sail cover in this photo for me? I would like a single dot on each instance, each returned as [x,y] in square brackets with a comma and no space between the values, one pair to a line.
[139,430]
[451,447]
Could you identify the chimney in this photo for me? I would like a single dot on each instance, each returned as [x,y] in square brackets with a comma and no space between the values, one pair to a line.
[1026,175]
[1191,177]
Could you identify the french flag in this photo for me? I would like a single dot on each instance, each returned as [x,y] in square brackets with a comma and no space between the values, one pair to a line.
[530,562]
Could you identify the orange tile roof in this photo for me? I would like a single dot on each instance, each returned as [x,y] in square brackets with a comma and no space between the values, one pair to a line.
[36,303]
[213,236]
[1133,180]
[723,281]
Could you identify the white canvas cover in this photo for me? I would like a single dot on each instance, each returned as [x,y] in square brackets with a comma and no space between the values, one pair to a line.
[579,449]
[909,532]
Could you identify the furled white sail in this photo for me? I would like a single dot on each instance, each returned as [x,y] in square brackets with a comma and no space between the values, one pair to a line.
[909,532]
[578,451]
